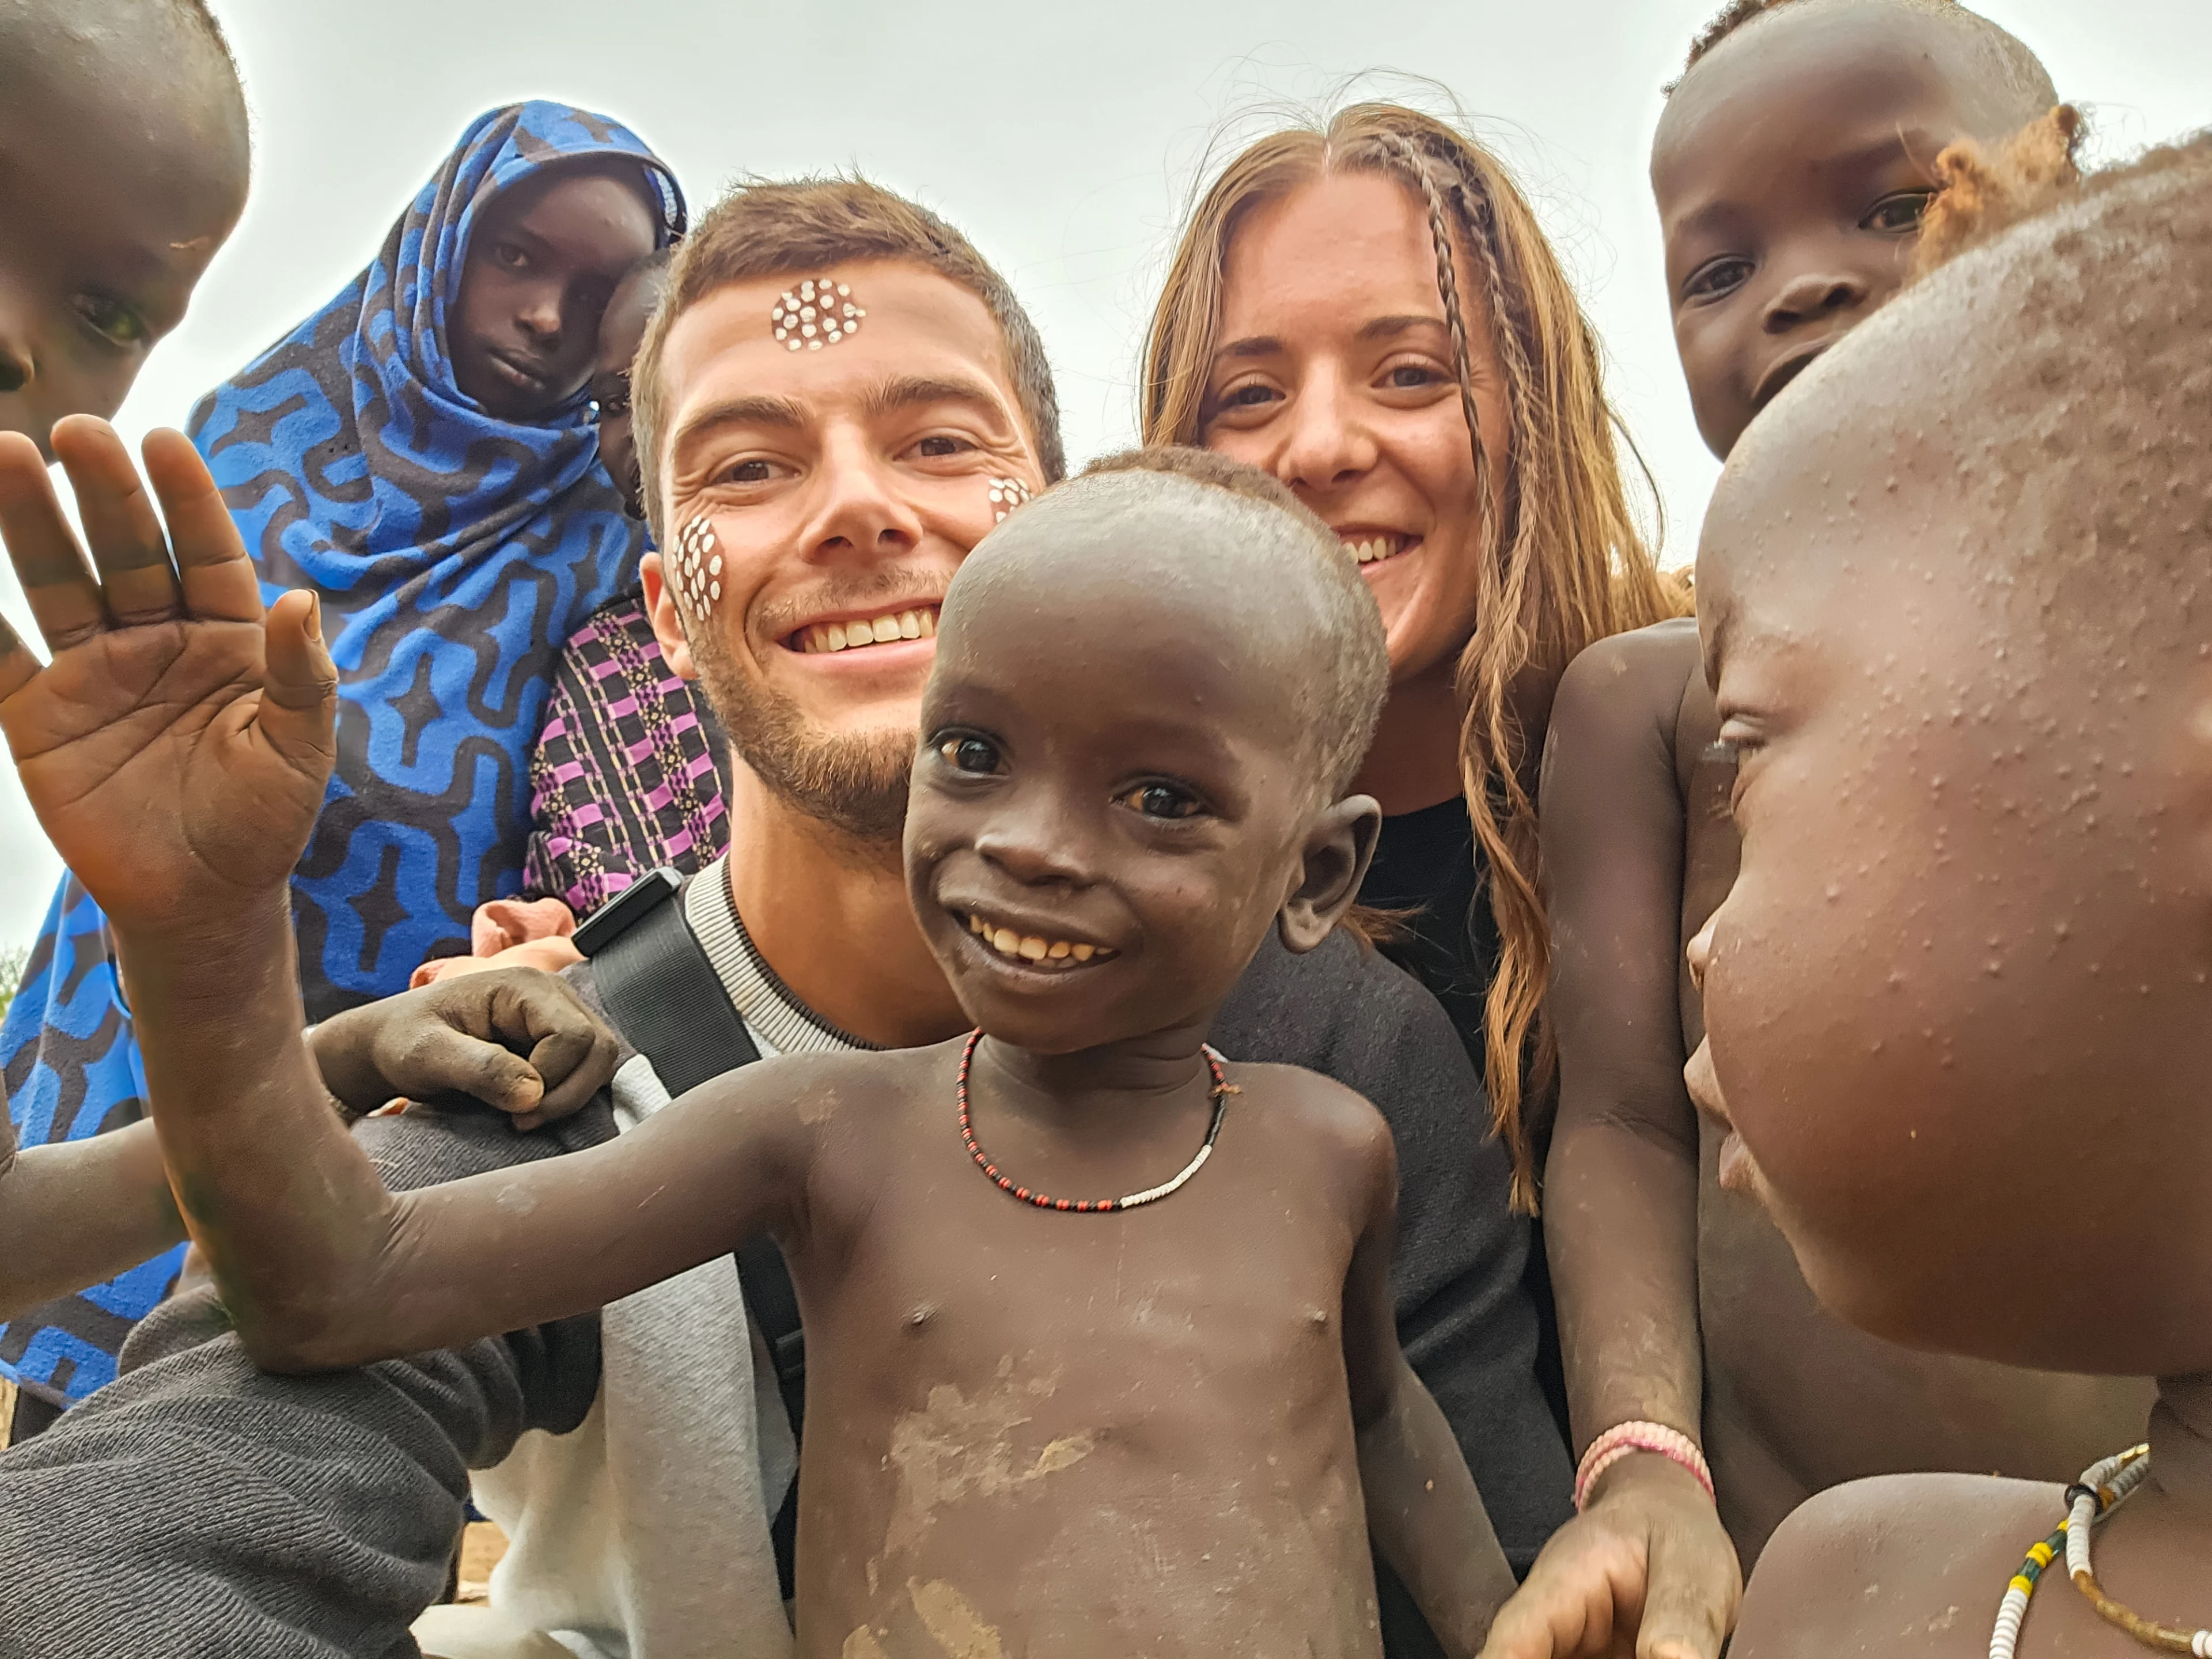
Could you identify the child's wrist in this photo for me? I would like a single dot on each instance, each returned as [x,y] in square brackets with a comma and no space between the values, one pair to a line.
[1624,1442]
[210,930]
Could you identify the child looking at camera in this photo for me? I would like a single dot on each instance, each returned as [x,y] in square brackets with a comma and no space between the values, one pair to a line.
[125,157]
[1065,1272]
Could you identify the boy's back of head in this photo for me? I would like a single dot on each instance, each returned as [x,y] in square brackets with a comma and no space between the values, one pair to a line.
[1958,602]
[124,163]
[1792,165]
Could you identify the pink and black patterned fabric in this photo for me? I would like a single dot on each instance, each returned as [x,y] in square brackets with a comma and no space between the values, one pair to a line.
[627,776]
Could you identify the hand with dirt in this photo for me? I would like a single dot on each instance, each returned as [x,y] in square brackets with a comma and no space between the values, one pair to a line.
[177,746]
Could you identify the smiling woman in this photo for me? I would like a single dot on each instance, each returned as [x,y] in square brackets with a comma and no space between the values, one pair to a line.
[1366,309]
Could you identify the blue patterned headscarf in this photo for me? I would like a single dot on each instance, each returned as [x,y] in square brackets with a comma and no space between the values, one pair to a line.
[454,553]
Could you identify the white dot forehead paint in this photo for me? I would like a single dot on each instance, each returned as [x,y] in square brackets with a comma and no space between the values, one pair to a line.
[696,566]
[1007,495]
[818,312]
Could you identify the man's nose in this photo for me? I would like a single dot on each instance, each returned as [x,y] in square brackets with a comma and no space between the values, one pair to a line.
[1813,295]
[863,509]
[1701,954]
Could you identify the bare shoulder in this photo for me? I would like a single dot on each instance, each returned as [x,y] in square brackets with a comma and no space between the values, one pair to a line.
[817,1086]
[1632,678]
[1328,1113]
[1616,711]
[1904,1564]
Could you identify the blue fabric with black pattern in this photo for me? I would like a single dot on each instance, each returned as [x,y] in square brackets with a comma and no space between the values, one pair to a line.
[454,553]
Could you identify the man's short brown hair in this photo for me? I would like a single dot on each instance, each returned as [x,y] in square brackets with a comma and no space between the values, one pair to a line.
[795,228]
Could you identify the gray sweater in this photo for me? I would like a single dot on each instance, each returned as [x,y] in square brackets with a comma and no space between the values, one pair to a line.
[196,1506]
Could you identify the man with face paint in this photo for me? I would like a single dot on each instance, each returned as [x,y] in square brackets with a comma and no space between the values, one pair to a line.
[837,400]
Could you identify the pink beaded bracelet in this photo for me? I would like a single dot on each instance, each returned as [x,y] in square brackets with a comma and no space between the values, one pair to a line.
[1625,1440]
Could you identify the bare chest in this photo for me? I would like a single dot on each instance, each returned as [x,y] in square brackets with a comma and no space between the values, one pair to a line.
[1130,1429]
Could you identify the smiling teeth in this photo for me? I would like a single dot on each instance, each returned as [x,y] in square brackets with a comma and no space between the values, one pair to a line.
[919,625]
[1031,948]
[1374,548]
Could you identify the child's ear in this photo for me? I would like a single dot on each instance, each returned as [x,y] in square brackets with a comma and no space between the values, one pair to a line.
[1337,849]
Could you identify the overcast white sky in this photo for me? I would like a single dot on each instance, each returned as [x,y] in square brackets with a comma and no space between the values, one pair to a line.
[1062,138]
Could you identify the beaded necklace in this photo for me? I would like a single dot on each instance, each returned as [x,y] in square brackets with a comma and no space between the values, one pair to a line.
[2102,1488]
[1222,1090]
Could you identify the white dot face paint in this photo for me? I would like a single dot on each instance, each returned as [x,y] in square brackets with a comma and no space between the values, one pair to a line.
[815,312]
[695,566]
[1007,495]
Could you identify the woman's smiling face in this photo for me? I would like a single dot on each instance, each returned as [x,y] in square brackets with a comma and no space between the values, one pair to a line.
[1334,372]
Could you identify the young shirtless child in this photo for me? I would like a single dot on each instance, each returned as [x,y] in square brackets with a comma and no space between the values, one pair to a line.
[1791,169]
[123,159]
[1958,613]
[1066,1425]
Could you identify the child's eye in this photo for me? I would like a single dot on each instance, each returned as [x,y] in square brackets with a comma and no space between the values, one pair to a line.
[508,255]
[1162,800]
[115,320]
[1715,277]
[970,753]
[1729,753]
[1899,213]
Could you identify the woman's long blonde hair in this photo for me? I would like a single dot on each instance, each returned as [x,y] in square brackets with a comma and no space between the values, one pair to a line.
[1565,561]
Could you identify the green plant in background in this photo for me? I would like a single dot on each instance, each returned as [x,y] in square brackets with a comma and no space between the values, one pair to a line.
[12,961]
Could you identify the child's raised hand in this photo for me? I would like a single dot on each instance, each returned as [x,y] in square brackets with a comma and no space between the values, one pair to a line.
[177,746]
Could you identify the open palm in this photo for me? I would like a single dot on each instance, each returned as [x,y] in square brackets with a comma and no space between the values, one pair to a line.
[177,746]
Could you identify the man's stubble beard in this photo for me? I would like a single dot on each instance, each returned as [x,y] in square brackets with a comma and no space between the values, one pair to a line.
[855,784]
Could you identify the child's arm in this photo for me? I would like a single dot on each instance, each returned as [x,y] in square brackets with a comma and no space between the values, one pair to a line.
[321,1268]
[176,751]
[1620,1199]
[1422,1512]
[80,1212]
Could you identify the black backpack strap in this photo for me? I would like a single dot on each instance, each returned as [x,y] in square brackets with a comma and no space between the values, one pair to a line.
[666,1000]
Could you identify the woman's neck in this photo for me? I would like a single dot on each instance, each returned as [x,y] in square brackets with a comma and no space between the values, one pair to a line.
[831,916]
[1414,760]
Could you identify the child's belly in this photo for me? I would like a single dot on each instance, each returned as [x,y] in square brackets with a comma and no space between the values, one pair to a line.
[1168,1471]
[1797,1401]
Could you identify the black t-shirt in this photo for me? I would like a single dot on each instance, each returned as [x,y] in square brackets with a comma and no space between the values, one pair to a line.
[1427,869]
[1427,864]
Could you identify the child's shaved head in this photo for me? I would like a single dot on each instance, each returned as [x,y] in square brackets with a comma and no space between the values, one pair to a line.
[1994,58]
[1957,599]
[38,35]
[124,159]
[1272,574]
